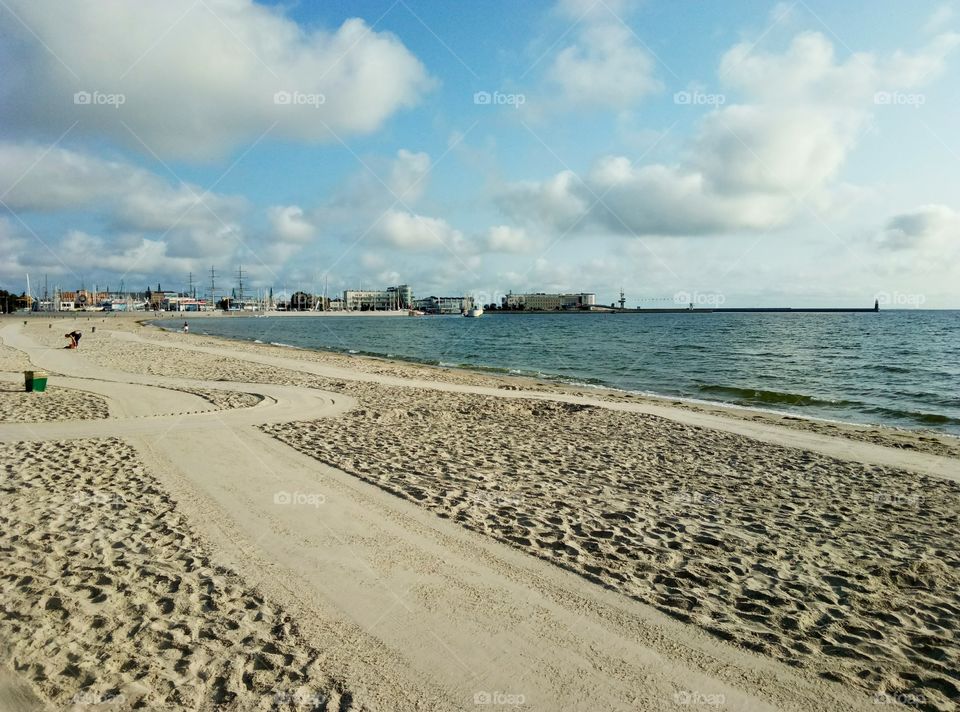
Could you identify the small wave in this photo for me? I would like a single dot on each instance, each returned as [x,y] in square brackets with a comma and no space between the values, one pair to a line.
[754,395]
[257,341]
[887,368]
[916,416]
[286,346]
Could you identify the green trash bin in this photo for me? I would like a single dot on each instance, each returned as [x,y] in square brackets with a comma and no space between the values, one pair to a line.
[35,381]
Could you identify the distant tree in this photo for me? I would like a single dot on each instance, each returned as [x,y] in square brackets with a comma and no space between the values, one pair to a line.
[8,302]
[301,301]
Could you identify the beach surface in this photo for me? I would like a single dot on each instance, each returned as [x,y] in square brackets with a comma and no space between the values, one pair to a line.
[191,523]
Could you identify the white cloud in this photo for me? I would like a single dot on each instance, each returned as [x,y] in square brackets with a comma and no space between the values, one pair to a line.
[940,18]
[38,179]
[288,223]
[504,238]
[198,79]
[809,73]
[410,231]
[752,165]
[120,217]
[606,67]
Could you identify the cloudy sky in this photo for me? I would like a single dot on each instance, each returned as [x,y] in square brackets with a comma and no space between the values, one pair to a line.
[793,153]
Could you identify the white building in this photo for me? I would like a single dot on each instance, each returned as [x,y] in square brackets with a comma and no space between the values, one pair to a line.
[391,298]
[540,301]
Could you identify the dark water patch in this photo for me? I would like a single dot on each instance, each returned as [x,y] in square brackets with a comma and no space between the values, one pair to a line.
[758,396]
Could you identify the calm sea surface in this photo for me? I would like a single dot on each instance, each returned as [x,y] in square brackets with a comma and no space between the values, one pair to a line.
[898,368]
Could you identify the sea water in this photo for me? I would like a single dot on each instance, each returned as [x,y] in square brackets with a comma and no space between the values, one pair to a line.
[899,368]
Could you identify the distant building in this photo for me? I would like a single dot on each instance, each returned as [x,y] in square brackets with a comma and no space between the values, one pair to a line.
[541,301]
[391,298]
[444,305]
[179,303]
[81,299]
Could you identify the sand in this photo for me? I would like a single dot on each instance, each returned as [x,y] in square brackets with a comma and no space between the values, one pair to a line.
[55,403]
[850,571]
[123,608]
[386,536]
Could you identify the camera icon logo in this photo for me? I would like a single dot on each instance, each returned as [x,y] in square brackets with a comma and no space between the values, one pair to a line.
[82,97]
[682,97]
[282,497]
[282,97]
[482,98]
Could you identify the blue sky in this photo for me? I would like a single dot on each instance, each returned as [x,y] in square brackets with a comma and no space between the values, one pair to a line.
[749,153]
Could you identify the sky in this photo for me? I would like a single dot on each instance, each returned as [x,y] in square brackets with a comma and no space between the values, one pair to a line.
[742,153]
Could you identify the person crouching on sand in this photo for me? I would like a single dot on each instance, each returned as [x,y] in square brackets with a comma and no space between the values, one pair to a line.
[74,337]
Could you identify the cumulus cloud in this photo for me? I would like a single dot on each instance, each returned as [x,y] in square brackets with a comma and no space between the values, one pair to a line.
[288,223]
[197,79]
[929,226]
[410,231]
[751,165]
[45,180]
[505,238]
[606,67]
[133,221]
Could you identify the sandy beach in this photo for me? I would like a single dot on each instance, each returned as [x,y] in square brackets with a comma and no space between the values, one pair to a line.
[193,523]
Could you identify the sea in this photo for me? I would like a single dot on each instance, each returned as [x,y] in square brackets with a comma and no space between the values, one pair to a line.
[893,368]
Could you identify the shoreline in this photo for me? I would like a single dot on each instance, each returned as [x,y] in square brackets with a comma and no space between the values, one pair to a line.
[920,439]
[569,385]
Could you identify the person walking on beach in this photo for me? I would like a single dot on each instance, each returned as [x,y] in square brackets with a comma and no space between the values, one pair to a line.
[186,328]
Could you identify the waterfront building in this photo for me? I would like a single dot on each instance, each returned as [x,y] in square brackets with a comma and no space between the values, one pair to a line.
[391,298]
[540,301]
